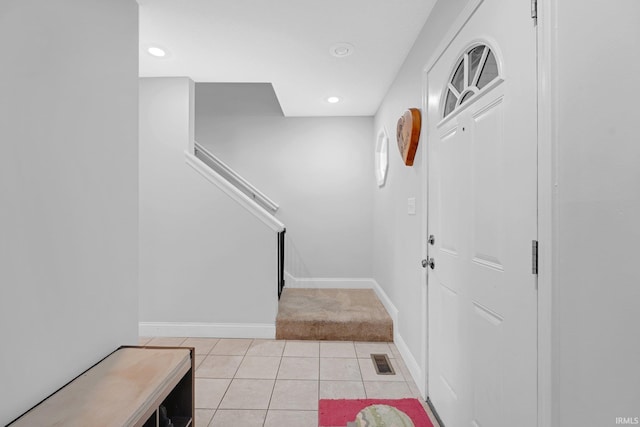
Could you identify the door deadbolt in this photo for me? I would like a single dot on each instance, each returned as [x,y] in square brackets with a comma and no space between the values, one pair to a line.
[431,240]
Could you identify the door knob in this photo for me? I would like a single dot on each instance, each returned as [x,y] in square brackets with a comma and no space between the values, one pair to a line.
[430,262]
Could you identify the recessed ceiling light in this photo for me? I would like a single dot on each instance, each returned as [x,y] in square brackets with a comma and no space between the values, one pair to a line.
[156,51]
[341,50]
[333,99]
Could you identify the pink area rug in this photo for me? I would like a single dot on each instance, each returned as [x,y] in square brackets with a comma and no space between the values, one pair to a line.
[342,412]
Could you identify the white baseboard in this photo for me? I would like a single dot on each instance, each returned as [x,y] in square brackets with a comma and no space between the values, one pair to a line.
[213,330]
[386,301]
[412,364]
[414,367]
[327,282]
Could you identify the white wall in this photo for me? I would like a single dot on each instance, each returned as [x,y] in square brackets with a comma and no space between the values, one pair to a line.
[318,169]
[596,212]
[398,236]
[203,258]
[68,191]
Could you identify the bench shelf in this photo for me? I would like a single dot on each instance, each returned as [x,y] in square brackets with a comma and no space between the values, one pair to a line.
[127,388]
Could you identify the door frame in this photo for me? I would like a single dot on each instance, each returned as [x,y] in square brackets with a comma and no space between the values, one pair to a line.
[547,146]
[545,37]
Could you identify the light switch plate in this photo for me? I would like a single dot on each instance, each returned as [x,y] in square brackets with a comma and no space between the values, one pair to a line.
[411,205]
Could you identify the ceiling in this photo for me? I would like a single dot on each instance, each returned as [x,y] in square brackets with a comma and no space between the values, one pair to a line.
[286,43]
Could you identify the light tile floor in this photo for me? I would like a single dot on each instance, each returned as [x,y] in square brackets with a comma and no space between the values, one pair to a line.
[265,383]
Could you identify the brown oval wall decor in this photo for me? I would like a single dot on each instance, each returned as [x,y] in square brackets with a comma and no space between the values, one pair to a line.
[408,134]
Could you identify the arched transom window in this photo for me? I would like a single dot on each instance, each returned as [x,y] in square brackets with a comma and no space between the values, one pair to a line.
[474,70]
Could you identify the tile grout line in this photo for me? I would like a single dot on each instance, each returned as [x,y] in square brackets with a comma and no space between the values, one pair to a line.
[272,390]
[230,382]
[240,364]
[366,395]
[319,379]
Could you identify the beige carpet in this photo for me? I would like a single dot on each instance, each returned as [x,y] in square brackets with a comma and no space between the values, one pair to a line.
[332,314]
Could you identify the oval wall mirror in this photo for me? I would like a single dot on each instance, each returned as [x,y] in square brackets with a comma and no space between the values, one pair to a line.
[382,157]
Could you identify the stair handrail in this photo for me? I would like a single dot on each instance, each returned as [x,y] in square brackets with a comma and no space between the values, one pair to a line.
[238,181]
[232,191]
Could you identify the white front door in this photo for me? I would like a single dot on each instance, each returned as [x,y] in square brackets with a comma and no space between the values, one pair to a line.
[482,166]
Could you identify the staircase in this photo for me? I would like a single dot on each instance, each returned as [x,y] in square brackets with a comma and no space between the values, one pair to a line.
[333,315]
[303,313]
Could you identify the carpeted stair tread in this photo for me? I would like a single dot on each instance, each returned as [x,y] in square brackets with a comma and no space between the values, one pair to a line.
[333,314]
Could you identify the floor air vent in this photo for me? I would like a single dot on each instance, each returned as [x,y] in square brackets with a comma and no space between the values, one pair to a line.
[382,364]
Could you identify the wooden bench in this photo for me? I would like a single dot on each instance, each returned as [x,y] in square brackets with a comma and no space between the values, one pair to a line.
[127,388]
